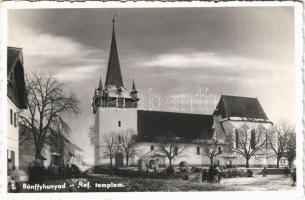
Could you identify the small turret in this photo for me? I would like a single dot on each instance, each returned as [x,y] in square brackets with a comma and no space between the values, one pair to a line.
[134,91]
[100,87]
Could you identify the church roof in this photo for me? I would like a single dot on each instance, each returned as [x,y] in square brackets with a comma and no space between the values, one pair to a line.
[153,124]
[114,76]
[240,107]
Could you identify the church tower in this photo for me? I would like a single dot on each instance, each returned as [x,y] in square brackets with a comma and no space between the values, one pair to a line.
[115,107]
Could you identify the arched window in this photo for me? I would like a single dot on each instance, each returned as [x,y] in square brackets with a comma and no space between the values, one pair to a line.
[236,138]
[120,139]
[253,139]
[198,150]
[152,147]
[119,123]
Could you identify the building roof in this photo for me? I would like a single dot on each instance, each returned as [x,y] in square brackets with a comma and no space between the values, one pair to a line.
[13,54]
[15,76]
[153,124]
[240,107]
[114,76]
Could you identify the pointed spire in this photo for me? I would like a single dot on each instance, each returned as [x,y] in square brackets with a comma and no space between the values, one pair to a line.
[133,86]
[95,91]
[114,76]
[100,85]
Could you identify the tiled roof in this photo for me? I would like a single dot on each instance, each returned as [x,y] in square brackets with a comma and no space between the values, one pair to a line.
[152,124]
[243,107]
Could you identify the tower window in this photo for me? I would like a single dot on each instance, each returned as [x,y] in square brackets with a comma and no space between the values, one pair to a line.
[119,123]
[198,150]
[152,147]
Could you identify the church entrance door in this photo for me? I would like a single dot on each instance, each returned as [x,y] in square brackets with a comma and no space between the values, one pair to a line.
[119,160]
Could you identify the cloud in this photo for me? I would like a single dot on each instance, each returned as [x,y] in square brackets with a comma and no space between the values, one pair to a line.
[195,59]
[70,60]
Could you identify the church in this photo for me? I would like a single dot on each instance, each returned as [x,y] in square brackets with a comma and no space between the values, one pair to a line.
[115,110]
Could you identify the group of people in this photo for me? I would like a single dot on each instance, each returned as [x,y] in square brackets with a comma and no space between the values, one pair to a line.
[211,175]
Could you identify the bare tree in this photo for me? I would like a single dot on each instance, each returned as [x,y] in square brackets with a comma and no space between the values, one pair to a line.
[111,146]
[277,140]
[48,108]
[171,146]
[291,148]
[211,148]
[92,135]
[248,142]
[127,143]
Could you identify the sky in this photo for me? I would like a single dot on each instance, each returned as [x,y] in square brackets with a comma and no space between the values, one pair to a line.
[169,52]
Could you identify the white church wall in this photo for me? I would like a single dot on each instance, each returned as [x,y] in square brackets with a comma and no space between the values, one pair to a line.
[262,160]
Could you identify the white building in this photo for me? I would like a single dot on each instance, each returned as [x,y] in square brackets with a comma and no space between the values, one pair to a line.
[16,100]
[115,110]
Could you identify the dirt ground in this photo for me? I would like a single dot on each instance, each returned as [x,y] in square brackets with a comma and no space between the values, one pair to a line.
[106,183]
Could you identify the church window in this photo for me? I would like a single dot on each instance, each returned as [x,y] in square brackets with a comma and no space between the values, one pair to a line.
[176,150]
[198,150]
[252,141]
[266,140]
[152,147]
[119,123]
[236,138]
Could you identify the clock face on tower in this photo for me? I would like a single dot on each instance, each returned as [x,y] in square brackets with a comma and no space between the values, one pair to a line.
[97,101]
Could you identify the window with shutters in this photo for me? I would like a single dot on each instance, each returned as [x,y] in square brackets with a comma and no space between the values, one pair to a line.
[13,157]
[15,119]
[11,116]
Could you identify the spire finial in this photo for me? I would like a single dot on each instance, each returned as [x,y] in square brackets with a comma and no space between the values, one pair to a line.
[113,19]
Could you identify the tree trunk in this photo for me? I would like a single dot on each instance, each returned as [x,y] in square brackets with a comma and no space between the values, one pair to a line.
[170,162]
[38,151]
[247,162]
[127,161]
[278,162]
[110,161]
[211,161]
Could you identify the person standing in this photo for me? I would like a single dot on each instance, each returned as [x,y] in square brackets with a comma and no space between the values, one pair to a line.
[264,172]
[204,176]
